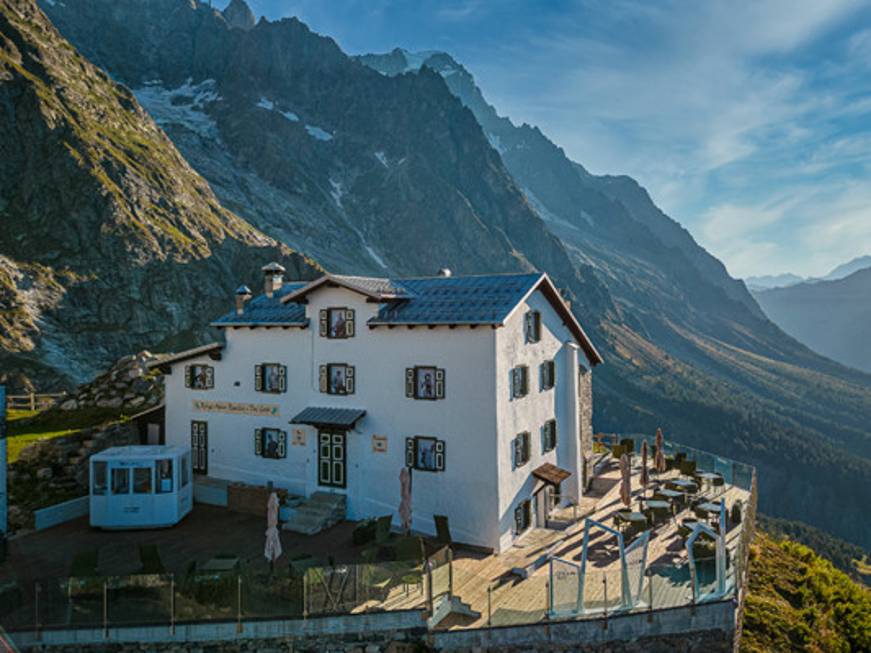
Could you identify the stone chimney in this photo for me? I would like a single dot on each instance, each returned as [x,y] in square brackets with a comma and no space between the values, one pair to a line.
[445,272]
[273,278]
[243,294]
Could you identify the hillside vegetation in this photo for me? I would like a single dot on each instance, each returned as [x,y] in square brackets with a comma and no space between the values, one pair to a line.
[798,601]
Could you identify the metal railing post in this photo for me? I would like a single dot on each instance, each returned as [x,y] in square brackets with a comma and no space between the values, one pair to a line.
[649,597]
[37,588]
[489,604]
[105,609]
[239,603]
[605,602]
[172,604]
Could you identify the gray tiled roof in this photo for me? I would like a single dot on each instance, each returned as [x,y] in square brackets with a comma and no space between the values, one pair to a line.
[376,285]
[268,310]
[485,299]
[324,416]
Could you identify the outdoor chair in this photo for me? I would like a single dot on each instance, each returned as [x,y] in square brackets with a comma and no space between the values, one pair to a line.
[628,445]
[443,530]
[688,468]
[382,529]
[149,559]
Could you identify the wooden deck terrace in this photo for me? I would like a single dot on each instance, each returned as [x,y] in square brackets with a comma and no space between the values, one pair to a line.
[489,584]
[492,586]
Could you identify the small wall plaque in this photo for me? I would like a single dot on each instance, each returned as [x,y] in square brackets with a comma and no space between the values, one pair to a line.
[297,437]
[379,443]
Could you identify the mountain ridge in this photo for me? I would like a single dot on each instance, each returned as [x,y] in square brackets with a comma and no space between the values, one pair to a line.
[105,224]
[378,174]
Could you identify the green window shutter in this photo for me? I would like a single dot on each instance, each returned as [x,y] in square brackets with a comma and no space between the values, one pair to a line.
[258,442]
[409,452]
[282,444]
[349,322]
[518,452]
[258,378]
[440,456]
[440,384]
[524,380]
[210,377]
[188,376]
[322,321]
[350,379]
[518,518]
[536,326]
[515,382]
[282,378]
[409,382]
[322,384]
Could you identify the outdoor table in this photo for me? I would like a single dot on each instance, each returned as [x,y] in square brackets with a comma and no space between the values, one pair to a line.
[219,565]
[673,495]
[683,484]
[709,507]
[631,518]
[658,504]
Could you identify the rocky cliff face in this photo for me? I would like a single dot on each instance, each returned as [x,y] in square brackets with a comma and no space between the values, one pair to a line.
[110,239]
[390,173]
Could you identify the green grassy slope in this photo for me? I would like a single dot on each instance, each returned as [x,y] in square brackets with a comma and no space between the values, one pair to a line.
[799,601]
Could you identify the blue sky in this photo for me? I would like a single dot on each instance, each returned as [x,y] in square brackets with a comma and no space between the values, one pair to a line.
[749,122]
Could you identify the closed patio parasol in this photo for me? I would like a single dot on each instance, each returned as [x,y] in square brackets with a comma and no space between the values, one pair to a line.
[659,455]
[645,475]
[405,502]
[272,551]
[625,480]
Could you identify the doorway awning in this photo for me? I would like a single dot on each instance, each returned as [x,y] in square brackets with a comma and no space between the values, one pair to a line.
[551,474]
[341,418]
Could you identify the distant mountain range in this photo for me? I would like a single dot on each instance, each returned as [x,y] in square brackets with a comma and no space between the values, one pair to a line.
[388,164]
[831,317]
[767,282]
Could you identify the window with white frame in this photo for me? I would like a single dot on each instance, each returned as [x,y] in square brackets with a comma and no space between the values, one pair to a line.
[519,381]
[270,377]
[424,382]
[548,435]
[337,379]
[270,443]
[425,453]
[521,451]
[199,377]
[337,323]
[532,326]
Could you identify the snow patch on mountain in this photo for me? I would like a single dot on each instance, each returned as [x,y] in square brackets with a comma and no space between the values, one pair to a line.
[414,60]
[338,192]
[185,105]
[548,216]
[318,133]
[496,143]
[269,105]
[382,158]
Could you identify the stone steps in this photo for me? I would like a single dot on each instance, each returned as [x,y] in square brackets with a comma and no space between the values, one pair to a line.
[317,513]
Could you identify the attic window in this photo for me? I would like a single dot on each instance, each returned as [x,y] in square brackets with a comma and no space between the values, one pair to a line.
[532,326]
[337,323]
[199,377]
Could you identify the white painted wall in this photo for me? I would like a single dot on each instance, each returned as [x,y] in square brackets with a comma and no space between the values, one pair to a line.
[477,419]
[466,420]
[529,413]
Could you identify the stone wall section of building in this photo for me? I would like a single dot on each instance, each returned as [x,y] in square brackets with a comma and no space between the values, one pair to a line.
[585,406]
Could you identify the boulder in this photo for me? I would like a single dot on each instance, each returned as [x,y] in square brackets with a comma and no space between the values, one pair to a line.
[69,404]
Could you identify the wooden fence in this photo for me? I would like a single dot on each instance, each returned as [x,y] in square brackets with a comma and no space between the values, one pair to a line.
[32,401]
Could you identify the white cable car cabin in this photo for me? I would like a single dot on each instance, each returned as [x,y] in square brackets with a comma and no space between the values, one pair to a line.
[140,486]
